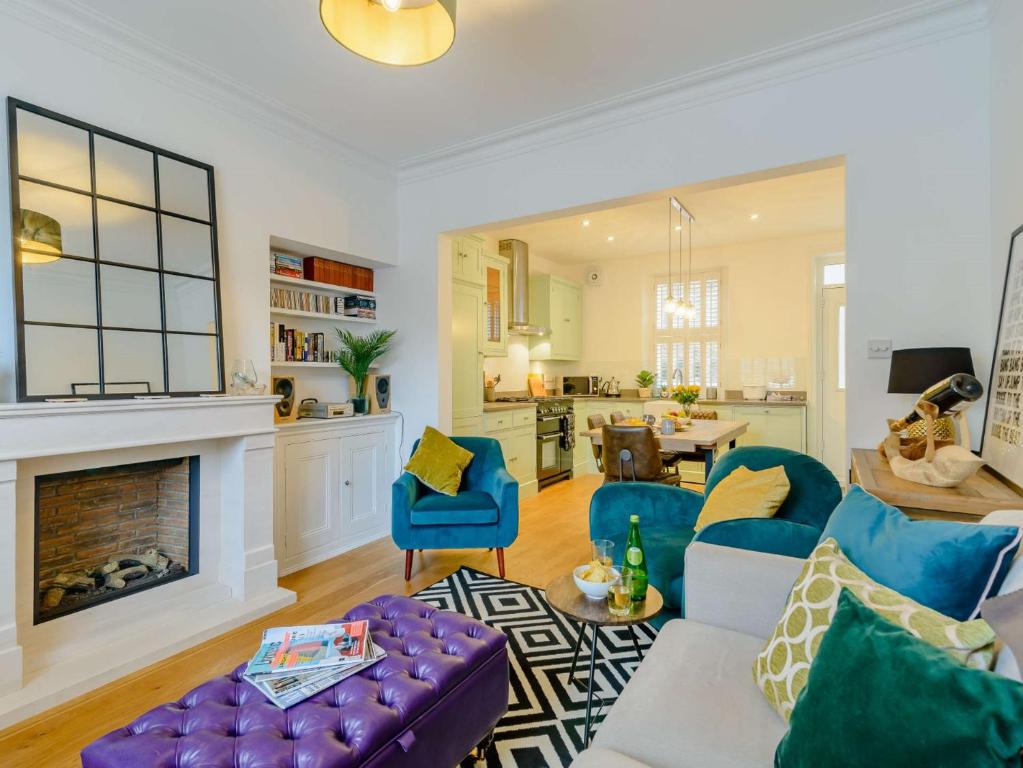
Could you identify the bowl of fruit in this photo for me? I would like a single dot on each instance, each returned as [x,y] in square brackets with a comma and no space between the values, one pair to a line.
[594,579]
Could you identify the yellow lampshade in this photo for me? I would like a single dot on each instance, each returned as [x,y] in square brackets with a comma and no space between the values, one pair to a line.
[404,34]
[40,240]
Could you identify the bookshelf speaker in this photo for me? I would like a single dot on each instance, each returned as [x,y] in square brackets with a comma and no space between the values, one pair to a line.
[379,392]
[285,387]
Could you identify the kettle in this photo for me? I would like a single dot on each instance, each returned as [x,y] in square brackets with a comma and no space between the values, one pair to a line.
[610,388]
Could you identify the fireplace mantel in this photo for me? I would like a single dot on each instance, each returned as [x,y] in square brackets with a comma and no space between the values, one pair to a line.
[42,665]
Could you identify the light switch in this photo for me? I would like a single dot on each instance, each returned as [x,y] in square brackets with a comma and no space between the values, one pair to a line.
[879,348]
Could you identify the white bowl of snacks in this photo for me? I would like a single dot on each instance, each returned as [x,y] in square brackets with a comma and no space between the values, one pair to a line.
[594,579]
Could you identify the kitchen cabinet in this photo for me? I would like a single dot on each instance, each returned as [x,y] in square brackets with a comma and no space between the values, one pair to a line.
[332,482]
[467,322]
[467,260]
[496,307]
[557,304]
[515,430]
[781,426]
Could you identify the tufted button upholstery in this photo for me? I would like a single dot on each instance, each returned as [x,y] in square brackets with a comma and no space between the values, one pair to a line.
[227,722]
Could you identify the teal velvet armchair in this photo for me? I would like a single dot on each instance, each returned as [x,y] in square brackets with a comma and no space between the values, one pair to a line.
[484,513]
[667,516]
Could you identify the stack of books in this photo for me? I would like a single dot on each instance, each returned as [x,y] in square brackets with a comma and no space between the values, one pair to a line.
[357,306]
[293,345]
[286,264]
[294,663]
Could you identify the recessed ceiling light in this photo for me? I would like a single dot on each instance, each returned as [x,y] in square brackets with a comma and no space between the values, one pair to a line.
[754,216]
[586,222]
[610,238]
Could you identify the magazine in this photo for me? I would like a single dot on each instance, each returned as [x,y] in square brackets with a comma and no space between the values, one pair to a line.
[289,689]
[290,650]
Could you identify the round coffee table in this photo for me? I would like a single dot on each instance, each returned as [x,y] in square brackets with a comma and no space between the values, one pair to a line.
[564,596]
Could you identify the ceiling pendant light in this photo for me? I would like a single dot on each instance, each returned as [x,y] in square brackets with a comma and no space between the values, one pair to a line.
[670,305]
[39,240]
[404,33]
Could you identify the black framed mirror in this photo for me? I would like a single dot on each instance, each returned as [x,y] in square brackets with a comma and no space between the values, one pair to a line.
[116,274]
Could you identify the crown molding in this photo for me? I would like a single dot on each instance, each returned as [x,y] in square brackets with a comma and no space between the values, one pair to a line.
[925,22]
[74,22]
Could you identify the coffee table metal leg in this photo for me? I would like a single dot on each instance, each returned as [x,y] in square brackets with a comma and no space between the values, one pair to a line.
[589,687]
[575,656]
[635,642]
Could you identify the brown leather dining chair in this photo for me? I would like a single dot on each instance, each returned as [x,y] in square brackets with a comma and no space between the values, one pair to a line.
[596,421]
[617,417]
[632,454]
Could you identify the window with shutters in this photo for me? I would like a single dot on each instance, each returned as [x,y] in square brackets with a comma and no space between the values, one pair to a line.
[692,346]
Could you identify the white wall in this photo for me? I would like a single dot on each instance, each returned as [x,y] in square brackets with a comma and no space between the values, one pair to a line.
[1006,135]
[767,310]
[913,126]
[267,182]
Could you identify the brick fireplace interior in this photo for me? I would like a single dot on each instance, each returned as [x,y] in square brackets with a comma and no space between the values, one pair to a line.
[106,533]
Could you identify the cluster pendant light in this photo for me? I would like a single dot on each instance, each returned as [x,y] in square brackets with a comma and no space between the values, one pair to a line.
[680,306]
[404,33]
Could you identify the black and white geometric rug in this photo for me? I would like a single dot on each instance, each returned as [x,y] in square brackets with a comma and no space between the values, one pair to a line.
[544,724]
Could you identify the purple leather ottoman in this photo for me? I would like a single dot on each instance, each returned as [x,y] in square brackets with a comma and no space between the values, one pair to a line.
[439,692]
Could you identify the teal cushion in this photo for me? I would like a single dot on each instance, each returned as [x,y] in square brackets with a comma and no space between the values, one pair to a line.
[467,508]
[877,696]
[950,567]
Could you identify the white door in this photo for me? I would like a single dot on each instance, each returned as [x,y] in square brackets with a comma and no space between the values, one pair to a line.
[365,472]
[312,509]
[467,319]
[834,452]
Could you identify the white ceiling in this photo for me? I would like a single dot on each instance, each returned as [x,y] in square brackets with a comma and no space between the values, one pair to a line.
[513,61]
[786,206]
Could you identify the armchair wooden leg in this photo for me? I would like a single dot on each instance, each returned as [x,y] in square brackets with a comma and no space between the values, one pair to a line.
[408,564]
[500,561]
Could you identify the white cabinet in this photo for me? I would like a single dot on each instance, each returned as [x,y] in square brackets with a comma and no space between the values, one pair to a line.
[495,330]
[515,430]
[557,304]
[467,319]
[332,487]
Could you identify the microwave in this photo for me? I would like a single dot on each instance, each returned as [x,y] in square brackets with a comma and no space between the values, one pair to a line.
[580,386]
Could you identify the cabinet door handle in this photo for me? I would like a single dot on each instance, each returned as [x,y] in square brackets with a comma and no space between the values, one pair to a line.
[348,482]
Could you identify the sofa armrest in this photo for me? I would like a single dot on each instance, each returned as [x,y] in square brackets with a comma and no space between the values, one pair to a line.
[771,535]
[738,589]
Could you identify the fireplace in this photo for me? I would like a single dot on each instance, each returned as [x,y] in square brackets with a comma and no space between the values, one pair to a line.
[106,533]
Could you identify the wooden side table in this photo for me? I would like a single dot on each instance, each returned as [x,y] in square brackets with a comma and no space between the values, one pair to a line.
[985,492]
[564,596]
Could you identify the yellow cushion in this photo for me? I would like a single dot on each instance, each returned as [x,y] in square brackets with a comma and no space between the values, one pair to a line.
[745,493]
[438,462]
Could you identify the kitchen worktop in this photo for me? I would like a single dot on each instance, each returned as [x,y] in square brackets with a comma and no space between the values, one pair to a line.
[708,403]
[491,407]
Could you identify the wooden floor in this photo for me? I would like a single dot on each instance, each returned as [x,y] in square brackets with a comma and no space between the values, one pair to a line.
[552,538]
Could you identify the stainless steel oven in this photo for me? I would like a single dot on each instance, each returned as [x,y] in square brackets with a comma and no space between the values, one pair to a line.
[554,440]
[579,386]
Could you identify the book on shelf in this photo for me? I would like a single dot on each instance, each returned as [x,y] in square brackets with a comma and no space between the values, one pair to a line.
[294,345]
[287,265]
[305,301]
[364,307]
[294,663]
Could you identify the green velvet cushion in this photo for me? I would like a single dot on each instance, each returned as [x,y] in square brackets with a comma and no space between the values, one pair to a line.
[877,696]
[438,462]
[467,508]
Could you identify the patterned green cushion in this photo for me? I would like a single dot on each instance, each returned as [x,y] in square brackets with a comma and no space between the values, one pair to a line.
[781,668]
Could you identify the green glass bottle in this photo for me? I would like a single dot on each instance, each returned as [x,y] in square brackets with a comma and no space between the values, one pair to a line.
[636,560]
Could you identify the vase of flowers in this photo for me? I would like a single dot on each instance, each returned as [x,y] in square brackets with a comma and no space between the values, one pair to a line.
[686,396]
[356,355]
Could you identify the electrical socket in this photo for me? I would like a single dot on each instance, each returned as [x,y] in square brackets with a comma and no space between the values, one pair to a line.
[879,348]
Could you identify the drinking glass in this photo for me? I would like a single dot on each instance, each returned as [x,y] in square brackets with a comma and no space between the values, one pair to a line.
[619,593]
[602,550]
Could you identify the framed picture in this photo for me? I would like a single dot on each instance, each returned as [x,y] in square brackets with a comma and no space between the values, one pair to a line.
[1002,445]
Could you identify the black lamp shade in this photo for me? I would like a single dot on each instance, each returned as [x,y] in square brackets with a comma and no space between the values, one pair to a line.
[914,370]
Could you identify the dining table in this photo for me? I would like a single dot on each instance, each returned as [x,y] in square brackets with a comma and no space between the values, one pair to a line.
[705,437]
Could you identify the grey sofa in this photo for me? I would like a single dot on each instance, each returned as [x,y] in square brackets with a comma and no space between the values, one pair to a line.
[693,702]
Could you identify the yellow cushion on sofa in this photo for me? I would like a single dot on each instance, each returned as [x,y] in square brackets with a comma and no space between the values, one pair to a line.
[438,462]
[744,493]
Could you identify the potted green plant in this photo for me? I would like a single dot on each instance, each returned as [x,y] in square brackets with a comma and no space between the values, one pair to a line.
[644,380]
[356,354]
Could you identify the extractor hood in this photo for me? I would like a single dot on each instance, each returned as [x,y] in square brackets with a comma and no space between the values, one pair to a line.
[517,253]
